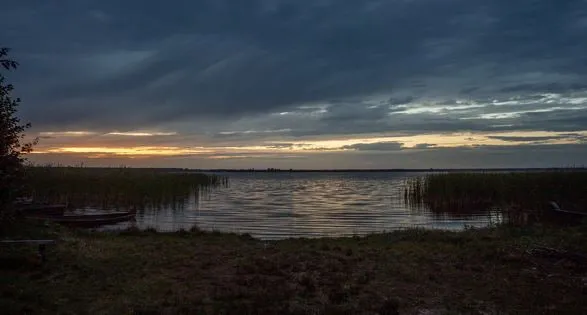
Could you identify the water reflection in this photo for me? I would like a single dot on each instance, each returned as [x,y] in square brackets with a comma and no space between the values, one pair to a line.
[281,205]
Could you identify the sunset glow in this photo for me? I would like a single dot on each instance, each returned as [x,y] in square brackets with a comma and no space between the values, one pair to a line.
[147,151]
[337,84]
[316,146]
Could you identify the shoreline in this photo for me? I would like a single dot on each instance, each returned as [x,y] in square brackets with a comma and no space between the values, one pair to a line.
[414,271]
[396,170]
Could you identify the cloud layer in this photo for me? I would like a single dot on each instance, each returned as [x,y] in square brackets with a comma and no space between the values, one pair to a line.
[224,73]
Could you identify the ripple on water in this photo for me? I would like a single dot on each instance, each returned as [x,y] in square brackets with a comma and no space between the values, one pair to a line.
[276,206]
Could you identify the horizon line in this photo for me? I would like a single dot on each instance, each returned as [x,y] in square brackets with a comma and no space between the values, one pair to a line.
[582,167]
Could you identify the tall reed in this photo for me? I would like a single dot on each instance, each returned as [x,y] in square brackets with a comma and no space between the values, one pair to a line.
[462,193]
[115,187]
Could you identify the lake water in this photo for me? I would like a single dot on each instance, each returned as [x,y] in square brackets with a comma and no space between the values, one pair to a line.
[282,205]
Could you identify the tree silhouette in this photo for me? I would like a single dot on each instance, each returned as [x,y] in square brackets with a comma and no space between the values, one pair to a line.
[11,134]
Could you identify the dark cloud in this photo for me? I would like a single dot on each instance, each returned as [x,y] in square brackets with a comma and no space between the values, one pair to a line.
[535,112]
[545,87]
[578,137]
[525,139]
[400,100]
[498,156]
[567,136]
[274,73]
[378,146]
[356,113]
[222,60]
[557,120]
[528,139]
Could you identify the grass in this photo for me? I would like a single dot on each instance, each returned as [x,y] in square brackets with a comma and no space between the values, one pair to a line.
[534,269]
[115,187]
[461,193]
[487,271]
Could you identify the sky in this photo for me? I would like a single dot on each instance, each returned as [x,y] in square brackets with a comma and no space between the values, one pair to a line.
[301,83]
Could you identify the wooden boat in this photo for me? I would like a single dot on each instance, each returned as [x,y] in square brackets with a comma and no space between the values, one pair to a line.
[91,216]
[92,222]
[89,220]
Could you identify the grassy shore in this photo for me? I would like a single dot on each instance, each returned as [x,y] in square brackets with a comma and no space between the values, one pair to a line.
[531,270]
[114,187]
[461,193]
[534,269]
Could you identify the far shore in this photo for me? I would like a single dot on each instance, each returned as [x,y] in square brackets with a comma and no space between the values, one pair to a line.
[387,170]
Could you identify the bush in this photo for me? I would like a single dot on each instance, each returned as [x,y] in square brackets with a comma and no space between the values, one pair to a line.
[11,133]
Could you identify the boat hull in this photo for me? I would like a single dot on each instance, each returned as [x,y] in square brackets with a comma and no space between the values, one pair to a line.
[88,220]
[88,223]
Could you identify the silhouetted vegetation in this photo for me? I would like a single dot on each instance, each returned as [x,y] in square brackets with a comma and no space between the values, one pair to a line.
[462,193]
[114,187]
[11,133]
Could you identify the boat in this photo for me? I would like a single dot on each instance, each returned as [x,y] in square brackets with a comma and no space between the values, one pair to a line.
[555,207]
[92,222]
[92,216]
[88,220]
[563,216]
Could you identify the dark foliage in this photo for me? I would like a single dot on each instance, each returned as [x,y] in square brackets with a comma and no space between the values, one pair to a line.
[12,149]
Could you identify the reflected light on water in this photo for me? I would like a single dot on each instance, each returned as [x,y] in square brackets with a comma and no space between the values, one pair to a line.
[281,205]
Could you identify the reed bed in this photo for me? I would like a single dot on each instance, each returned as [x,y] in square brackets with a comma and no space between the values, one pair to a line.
[464,193]
[115,187]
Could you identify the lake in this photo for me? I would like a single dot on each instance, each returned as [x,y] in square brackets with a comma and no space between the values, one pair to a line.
[281,205]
